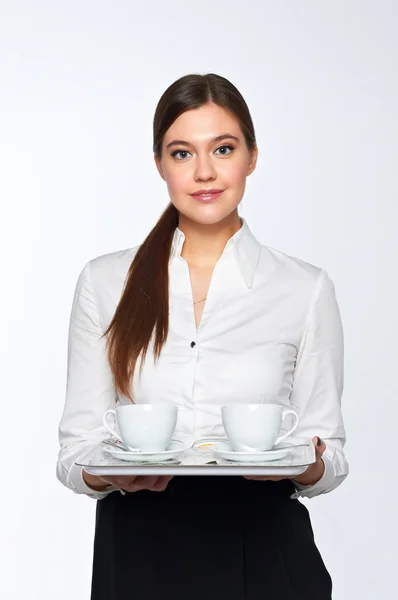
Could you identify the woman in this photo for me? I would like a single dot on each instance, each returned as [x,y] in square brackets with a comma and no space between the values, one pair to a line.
[200,315]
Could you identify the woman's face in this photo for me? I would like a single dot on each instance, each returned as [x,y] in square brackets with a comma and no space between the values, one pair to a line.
[193,160]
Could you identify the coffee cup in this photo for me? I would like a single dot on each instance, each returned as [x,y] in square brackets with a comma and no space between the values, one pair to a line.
[255,427]
[144,427]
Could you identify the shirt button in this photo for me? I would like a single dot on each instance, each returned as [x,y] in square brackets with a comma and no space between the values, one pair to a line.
[193,344]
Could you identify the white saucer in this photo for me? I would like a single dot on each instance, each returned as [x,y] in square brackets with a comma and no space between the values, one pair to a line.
[224,450]
[173,451]
[206,445]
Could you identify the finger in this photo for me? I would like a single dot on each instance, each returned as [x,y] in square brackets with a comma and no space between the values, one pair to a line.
[122,483]
[161,484]
[145,482]
[320,446]
[117,482]
[142,482]
[132,484]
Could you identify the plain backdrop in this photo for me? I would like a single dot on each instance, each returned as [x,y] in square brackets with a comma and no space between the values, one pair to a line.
[79,85]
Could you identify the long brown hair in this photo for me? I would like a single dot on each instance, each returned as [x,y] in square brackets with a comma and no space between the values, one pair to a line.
[143,309]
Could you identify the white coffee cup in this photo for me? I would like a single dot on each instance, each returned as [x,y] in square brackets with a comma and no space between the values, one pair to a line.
[255,427]
[144,427]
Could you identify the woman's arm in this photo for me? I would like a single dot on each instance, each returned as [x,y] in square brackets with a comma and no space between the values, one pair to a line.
[89,390]
[318,385]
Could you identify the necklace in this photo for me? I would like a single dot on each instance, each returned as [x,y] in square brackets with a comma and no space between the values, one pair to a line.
[197,302]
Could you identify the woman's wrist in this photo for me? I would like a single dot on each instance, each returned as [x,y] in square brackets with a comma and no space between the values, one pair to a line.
[94,482]
[312,475]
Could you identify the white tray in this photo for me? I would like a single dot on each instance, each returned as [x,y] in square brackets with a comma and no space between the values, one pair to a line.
[196,462]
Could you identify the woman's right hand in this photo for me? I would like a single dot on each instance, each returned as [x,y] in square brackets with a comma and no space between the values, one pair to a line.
[131,483]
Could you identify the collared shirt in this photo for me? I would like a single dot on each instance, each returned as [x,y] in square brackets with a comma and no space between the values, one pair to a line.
[270,332]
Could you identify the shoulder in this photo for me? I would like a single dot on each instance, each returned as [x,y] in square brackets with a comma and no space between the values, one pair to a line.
[112,263]
[292,264]
[108,272]
[295,273]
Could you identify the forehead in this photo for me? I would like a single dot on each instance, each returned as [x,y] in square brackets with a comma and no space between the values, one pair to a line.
[203,123]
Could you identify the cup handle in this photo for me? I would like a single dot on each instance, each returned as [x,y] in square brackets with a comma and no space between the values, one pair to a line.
[105,419]
[285,435]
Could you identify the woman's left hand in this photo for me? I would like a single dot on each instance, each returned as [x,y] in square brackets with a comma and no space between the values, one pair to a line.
[310,476]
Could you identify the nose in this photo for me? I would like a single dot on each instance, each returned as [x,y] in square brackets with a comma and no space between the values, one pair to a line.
[204,169]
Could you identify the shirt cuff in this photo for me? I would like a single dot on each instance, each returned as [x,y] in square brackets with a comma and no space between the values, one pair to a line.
[310,491]
[79,486]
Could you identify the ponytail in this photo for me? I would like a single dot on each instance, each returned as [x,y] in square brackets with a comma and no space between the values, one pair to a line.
[144,304]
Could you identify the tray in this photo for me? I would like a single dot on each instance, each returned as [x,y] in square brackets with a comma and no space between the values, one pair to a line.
[195,461]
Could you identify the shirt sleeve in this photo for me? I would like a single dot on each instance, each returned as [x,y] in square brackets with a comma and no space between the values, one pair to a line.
[318,386]
[90,389]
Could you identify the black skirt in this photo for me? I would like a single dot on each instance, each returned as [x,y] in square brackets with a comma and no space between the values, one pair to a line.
[207,538]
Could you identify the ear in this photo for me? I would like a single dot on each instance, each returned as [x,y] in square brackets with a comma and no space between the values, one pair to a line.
[158,166]
[253,160]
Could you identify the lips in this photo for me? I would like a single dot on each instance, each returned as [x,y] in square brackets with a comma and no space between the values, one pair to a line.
[206,192]
[207,195]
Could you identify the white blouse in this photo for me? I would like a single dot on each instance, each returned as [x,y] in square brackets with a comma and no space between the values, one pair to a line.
[270,331]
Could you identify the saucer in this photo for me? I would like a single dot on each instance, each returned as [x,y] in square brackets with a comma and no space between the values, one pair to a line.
[206,445]
[173,451]
[225,451]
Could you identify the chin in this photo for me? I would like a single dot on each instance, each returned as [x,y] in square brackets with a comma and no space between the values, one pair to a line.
[207,215]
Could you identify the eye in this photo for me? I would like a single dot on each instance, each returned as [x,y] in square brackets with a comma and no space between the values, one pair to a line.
[231,148]
[174,154]
[180,152]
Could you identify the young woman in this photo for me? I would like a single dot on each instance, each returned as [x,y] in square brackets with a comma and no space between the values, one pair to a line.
[200,315]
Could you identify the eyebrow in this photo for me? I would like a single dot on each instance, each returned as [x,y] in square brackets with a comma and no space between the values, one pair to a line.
[219,138]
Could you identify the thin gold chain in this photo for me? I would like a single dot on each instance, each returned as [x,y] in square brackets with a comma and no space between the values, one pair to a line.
[197,302]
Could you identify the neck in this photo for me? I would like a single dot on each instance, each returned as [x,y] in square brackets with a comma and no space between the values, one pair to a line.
[204,244]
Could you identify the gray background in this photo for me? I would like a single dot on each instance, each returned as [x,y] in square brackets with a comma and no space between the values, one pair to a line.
[79,85]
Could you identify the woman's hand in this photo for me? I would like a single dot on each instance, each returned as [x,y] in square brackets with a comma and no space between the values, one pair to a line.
[311,475]
[153,483]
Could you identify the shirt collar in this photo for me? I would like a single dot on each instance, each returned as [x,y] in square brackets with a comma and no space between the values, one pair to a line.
[244,245]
